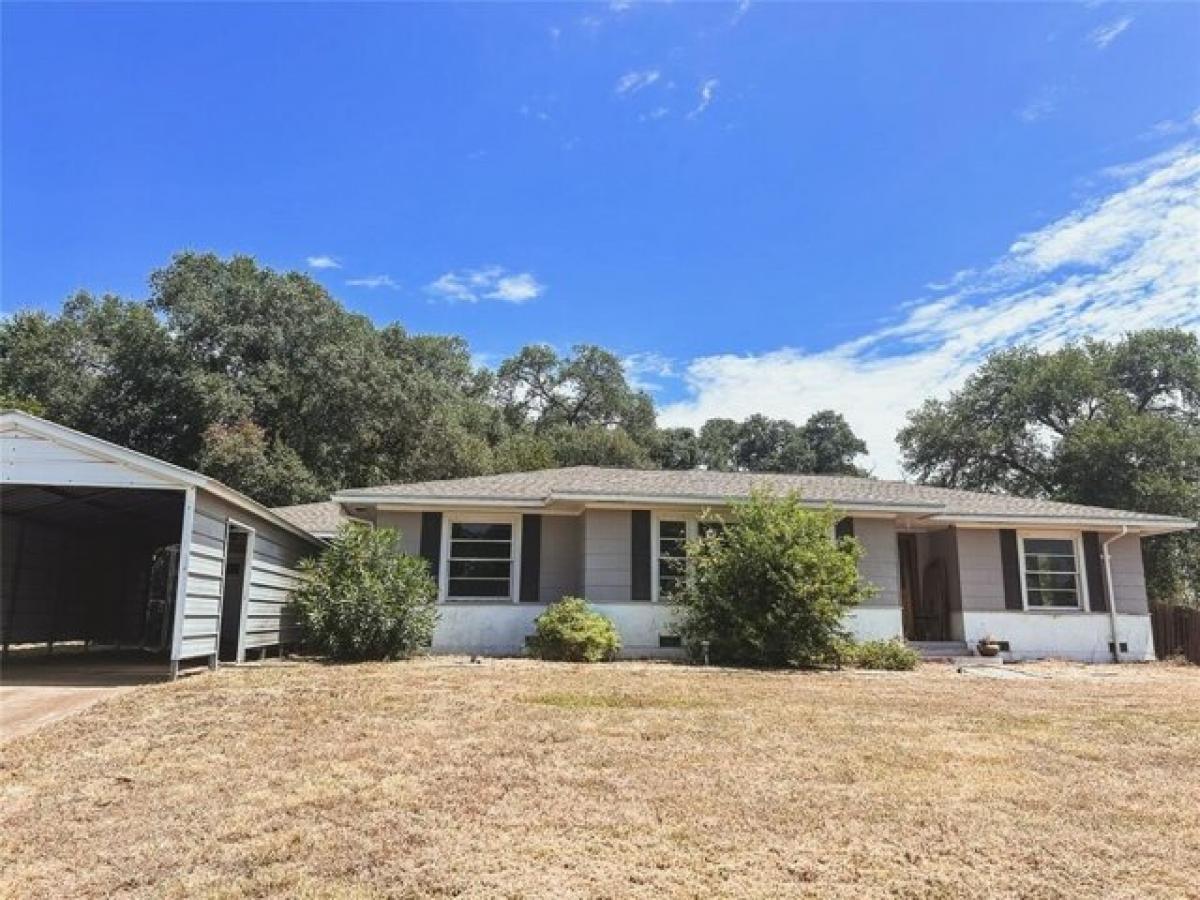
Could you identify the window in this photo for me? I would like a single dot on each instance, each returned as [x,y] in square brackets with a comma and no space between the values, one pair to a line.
[1051,573]
[480,561]
[672,555]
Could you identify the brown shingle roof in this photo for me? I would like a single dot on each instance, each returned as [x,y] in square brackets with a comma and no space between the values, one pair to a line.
[584,482]
[316,518]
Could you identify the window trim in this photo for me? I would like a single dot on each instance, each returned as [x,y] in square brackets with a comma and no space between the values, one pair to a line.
[514,573]
[691,519]
[1076,538]
[690,525]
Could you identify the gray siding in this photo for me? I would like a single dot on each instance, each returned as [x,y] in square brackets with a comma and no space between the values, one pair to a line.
[562,558]
[201,611]
[981,576]
[1129,580]
[880,564]
[272,571]
[409,526]
[606,555]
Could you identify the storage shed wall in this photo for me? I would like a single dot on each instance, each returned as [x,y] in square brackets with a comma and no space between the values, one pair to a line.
[273,576]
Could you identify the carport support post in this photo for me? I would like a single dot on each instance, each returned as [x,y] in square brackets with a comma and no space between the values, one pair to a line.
[185,550]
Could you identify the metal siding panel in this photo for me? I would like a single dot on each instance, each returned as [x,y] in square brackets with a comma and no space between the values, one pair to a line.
[32,459]
[205,566]
[200,586]
[203,606]
[269,579]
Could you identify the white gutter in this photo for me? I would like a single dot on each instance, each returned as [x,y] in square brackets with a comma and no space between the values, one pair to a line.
[1111,593]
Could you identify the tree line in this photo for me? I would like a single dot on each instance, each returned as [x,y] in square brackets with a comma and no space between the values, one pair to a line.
[265,381]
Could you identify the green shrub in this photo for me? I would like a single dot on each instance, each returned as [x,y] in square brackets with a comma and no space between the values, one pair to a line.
[572,631]
[892,654]
[771,587]
[364,600]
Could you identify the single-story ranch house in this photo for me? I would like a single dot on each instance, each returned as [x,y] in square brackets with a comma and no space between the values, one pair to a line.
[104,546]
[1047,579]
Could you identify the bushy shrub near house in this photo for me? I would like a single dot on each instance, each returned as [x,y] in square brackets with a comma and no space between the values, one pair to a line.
[892,654]
[362,599]
[771,586]
[571,631]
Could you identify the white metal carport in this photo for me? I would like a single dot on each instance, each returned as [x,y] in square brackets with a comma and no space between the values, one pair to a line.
[105,546]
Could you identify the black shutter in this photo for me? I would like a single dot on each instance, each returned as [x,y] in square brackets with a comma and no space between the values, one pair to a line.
[431,540]
[1010,562]
[1097,595]
[531,558]
[844,528]
[639,555]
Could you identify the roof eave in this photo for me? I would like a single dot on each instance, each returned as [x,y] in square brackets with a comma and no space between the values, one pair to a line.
[424,501]
[1100,523]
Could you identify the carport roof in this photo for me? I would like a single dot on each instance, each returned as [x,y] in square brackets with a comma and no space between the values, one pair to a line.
[157,472]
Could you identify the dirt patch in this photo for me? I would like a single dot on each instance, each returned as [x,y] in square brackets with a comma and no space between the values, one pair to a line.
[524,779]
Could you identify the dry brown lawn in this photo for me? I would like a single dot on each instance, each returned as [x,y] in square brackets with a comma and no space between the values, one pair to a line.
[519,779]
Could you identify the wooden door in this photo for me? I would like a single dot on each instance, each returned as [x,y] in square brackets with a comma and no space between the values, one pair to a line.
[910,583]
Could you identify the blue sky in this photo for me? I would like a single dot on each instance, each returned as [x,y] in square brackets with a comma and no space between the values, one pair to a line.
[762,206]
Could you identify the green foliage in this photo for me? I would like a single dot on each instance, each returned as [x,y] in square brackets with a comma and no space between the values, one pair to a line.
[676,448]
[1108,424]
[825,444]
[771,588]
[364,600]
[539,389]
[22,404]
[571,631]
[241,454]
[892,654]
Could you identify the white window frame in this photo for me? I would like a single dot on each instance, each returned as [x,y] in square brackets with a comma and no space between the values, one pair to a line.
[1076,539]
[480,518]
[690,523]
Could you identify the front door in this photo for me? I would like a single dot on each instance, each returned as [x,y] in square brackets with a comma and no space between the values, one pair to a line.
[924,608]
[910,583]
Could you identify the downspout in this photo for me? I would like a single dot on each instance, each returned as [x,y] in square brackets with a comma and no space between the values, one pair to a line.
[1110,593]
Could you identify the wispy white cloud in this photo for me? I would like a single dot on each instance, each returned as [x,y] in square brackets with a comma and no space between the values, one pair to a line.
[1042,105]
[487,283]
[708,90]
[1104,35]
[1122,261]
[323,262]
[632,82]
[659,112]
[743,7]
[373,281]
[1173,127]
[620,6]
[643,369]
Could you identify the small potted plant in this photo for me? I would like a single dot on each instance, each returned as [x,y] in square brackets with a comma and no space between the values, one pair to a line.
[988,646]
